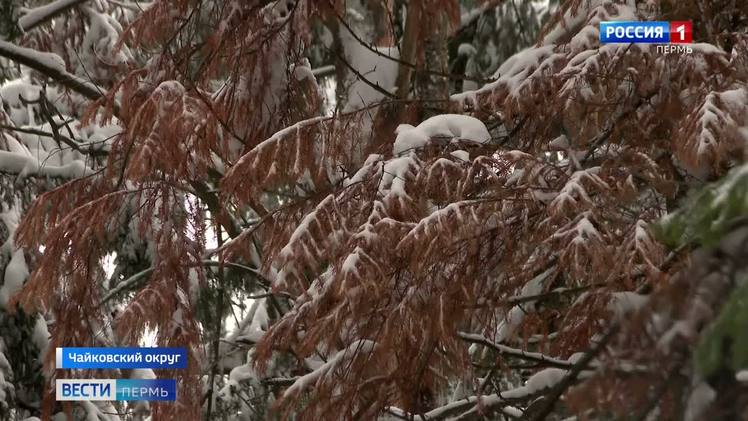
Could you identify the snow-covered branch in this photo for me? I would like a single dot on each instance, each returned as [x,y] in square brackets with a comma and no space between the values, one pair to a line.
[26,165]
[542,382]
[38,15]
[52,66]
[327,370]
[514,352]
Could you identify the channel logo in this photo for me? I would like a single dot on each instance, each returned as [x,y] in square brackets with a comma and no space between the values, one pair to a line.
[116,390]
[654,32]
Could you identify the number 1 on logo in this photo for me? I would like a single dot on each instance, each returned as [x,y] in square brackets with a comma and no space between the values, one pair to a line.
[681,32]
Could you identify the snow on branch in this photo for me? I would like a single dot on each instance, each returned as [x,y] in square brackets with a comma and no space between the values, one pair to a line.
[574,192]
[450,127]
[709,132]
[516,315]
[318,238]
[286,153]
[26,165]
[457,220]
[31,18]
[326,372]
[515,352]
[538,384]
[458,407]
[52,66]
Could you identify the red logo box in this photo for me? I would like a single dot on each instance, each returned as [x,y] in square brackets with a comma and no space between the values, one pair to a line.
[681,32]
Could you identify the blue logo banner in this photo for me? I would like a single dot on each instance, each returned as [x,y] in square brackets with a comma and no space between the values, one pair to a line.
[120,389]
[92,358]
[146,390]
[634,32]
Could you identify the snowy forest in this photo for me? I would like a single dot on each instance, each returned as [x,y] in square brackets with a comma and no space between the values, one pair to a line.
[376,209]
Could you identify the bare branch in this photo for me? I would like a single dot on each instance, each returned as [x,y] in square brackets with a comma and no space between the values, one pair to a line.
[514,352]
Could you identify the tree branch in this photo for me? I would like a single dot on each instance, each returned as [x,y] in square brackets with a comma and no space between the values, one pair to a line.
[61,137]
[402,62]
[139,277]
[51,65]
[571,377]
[38,15]
[363,78]
[514,352]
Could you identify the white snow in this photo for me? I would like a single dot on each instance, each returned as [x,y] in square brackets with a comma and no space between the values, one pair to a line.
[10,216]
[545,379]
[574,189]
[40,336]
[578,232]
[100,45]
[623,303]
[561,143]
[538,382]
[453,127]
[251,157]
[350,263]
[304,72]
[699,401]
[25,165]
[461,155]
[11,93]
[516,352]
[326,370]
[516,315]
[374,64]
[239,374]
[16,273]
[31,17]
[466,49]
[50,60]
[395,172]
[142,373]
[367,167]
